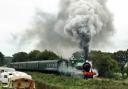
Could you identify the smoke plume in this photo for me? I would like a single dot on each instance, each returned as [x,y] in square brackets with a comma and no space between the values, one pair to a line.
[79,24]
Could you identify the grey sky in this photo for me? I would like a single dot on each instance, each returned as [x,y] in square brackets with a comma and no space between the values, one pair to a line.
[16,16]
[120,14]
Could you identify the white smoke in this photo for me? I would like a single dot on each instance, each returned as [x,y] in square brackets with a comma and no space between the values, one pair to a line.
[79,22]
[85,20]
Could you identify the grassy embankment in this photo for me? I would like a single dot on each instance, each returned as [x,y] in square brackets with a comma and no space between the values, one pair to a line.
[51,81]
[1,85]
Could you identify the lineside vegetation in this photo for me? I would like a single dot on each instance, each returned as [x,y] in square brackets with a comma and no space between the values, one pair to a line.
[52,81]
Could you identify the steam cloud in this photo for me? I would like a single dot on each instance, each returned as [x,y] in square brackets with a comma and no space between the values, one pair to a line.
[79,24]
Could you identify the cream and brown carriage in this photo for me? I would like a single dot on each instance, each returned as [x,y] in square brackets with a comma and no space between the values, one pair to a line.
[20,82]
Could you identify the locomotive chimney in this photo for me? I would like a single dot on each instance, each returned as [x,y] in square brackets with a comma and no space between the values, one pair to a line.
[86,50]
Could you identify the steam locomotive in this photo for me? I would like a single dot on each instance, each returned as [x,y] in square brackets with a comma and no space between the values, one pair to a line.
[88,71]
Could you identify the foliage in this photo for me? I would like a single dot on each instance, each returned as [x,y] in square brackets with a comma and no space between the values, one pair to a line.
[20,57]
[52,81]
[104,63]
[47,55]
[122,58]
[1,59]
[7,60]
[126,70]
[33,55]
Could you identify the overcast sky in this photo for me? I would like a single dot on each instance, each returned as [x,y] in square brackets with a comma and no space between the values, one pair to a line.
[16,16]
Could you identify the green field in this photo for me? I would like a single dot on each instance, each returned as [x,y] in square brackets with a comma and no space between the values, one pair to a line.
[1,85]
[52,81]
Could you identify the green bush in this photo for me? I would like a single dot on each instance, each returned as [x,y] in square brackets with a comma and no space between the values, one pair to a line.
[105,65]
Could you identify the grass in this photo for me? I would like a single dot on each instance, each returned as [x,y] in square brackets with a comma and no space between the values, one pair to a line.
[1,85]
[52,81]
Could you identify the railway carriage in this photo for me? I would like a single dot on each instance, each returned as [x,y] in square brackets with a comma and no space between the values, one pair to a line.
[45,65]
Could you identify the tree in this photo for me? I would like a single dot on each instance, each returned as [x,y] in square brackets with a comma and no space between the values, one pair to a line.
[122,58]
[20,57]
[47,55]
[126,70]
[1,59]
[33,55]
[104,63]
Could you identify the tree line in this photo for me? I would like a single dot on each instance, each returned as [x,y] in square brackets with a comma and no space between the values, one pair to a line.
[110,64]
[34,55]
